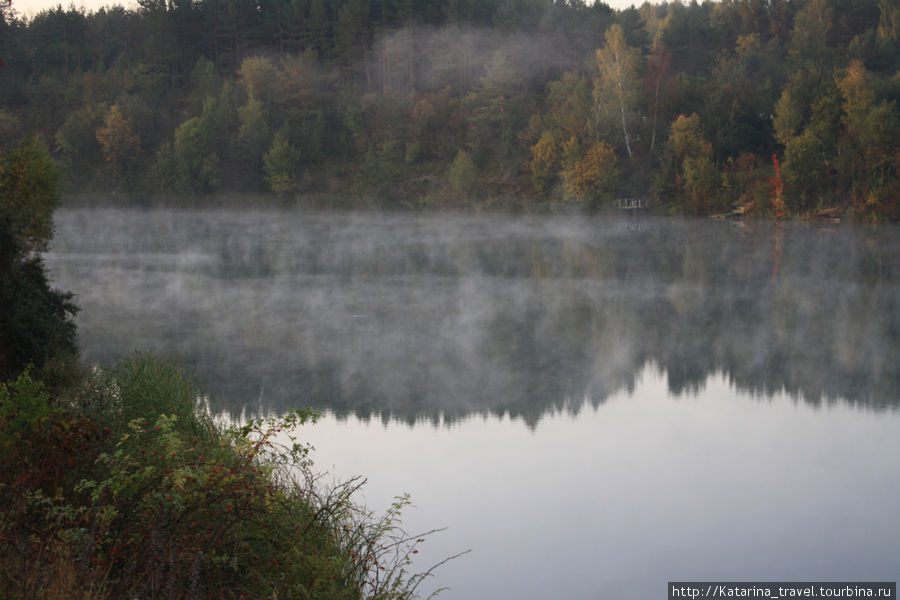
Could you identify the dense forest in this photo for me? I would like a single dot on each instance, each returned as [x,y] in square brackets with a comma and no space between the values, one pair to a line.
[771,107]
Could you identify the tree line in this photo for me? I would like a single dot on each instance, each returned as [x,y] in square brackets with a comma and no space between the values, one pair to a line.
[776,107]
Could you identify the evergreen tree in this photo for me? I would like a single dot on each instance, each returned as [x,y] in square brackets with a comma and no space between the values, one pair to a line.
[36,324]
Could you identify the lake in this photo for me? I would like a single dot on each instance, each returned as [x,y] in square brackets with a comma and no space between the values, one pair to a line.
[594,406]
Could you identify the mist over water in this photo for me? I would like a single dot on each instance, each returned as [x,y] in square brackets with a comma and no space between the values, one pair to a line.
[594,406]
[438,317]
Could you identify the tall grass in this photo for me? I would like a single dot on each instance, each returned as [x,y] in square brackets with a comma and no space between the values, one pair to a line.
[144,386]
[123,489]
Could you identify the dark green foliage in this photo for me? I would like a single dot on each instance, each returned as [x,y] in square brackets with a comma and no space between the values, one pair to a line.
[77,146]
[36,324]
[190,163]
[35,320]
[23,403]
[144,387]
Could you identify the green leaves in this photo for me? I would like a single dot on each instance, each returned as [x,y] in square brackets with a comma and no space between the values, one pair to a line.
[616,90]
[191,163]
[196,162]
[691,158]
[29,193]
[36,324]
[280,165]
[23,402]
[463,173]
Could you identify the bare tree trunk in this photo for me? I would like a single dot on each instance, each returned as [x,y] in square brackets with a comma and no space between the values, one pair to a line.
[625,131]
[620,86]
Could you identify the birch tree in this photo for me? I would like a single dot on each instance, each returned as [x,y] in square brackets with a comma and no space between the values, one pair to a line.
[617,84]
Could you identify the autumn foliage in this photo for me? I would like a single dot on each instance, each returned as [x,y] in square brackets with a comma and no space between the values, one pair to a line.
[377,99]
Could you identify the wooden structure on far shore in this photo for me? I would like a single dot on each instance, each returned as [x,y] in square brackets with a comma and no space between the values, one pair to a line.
[632,203]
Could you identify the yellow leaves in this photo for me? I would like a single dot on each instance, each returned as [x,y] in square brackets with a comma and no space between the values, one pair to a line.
[889,21]
[258,76]
[617,85]
[587,174]
[117,139]
[747,43]
[856,89]
[545,157]
[686,138]
[594,175]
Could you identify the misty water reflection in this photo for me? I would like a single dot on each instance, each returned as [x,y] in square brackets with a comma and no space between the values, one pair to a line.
[621,403]
[439,317]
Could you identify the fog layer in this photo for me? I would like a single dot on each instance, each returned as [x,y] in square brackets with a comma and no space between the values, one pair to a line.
[440,317]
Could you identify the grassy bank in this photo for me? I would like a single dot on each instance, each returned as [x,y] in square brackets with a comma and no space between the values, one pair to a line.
[120,486]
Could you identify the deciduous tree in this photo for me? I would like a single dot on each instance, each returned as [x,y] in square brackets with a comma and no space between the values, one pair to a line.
[659,63]
[570,110]
[29,193]
[280,165]
[693,169]
[120,144]
[617,85]
[889,21]
[809,166]
[190,163]
[594,176]
[545,158]
[254,133]
[258,77]
[870,130]
[809,47]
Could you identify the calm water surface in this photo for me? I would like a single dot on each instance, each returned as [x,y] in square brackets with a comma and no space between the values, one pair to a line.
[593,406]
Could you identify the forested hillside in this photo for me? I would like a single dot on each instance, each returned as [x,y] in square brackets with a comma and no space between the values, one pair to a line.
[774,107]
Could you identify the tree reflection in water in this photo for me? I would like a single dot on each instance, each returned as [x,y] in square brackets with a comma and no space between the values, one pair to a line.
[438,317]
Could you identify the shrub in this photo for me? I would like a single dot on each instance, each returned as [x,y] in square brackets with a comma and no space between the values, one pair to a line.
[44,449]
[142,387]
[167,505]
